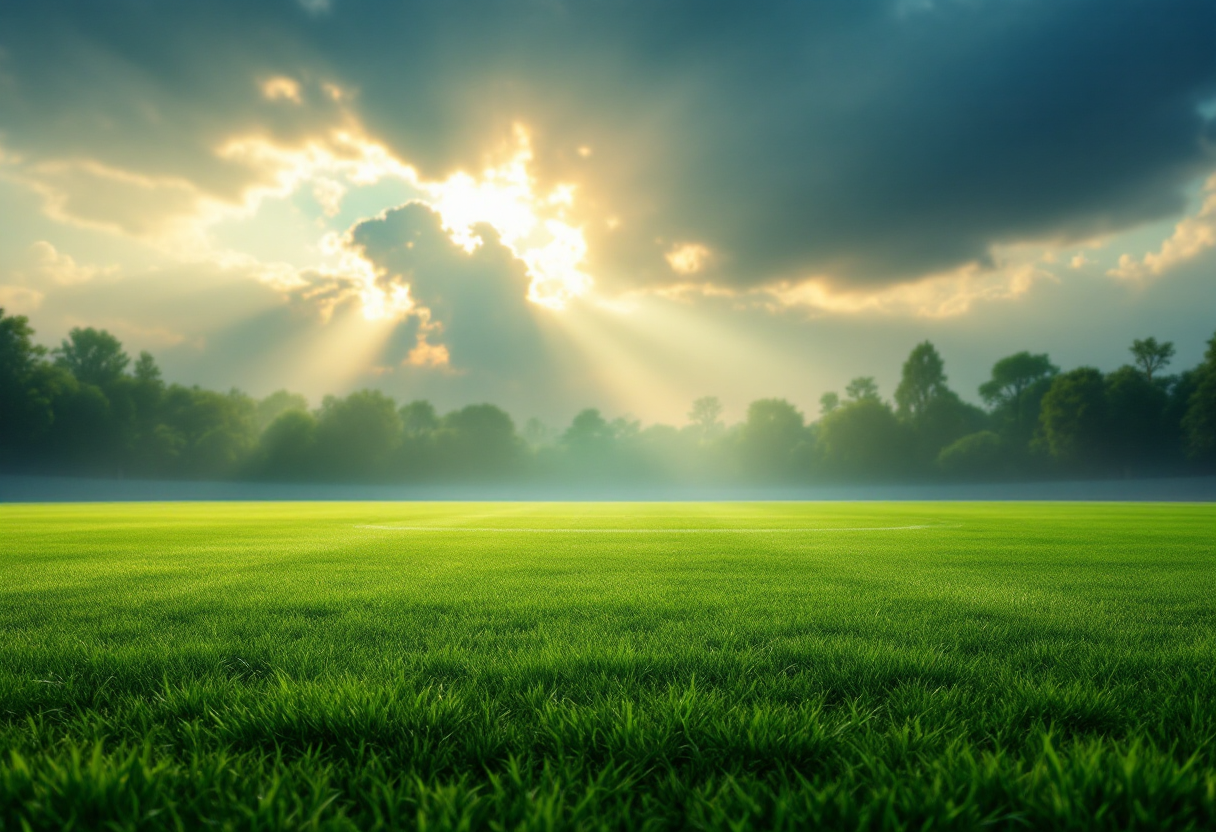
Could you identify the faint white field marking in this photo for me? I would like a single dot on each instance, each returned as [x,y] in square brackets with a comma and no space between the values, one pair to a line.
[724,530]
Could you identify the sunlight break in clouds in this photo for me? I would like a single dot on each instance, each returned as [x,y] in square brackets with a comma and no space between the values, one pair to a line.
[177,217]
[688,258]
[934,296]
[531,225]
[504,197]
[1191,236]
[938,296]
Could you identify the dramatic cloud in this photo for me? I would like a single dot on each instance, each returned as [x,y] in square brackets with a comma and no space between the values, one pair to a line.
[871,142]
[1191,237]
[476,313]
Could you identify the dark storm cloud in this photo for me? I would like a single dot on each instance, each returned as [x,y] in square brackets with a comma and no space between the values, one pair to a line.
[870,141]
[143,86]
[477,300]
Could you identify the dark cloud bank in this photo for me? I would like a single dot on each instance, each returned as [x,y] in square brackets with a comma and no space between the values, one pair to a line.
[872,141]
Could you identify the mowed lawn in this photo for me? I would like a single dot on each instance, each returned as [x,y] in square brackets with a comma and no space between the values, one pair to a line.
[660,666]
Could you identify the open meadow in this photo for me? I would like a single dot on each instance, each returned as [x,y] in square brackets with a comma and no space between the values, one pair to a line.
[609,665]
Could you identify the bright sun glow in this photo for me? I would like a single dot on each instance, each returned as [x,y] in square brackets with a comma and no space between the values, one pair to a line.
[531,224]
[688,258]
[505,198]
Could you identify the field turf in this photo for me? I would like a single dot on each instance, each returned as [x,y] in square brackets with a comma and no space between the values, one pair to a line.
[615,666]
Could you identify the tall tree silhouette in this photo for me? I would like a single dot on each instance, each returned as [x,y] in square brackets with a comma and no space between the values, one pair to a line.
[923,379]
[706,417]
[1151,356]
[862,387]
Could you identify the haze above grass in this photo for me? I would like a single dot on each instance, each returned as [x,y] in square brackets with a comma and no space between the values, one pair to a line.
[284,666]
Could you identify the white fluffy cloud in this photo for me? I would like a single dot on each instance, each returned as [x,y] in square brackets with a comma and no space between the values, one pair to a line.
[62,269]
[1192,236]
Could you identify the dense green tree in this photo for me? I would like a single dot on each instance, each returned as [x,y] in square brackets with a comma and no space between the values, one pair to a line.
[589,448]
[862,387]
[287,448]
[82,437]
[145,370]
[147,389]
[1136,431]
[1016,390]
[149,443]
[625,428]
[705,418]
[94,429]
[934,412]
[213,432]
[276,404]
[26,410]
[358,436]
[828,402]
[923,380]
[663,452]
[1180,388]
[418,418]
[93,356]
[478,440]
[942,420]
[589,434]
[18,352]
[1073,419]
[771,439]
[863,439]
[417,456]
[1199,423]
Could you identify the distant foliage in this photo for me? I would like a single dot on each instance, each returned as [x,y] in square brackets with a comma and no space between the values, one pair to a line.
[92,356]
[976,456]
[1015,391]
[923,381]
[85,408]
[771,439]
[1074,418]
[863,439]
[1199,423]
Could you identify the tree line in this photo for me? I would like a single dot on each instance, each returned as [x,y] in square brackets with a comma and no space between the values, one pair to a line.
[85,408]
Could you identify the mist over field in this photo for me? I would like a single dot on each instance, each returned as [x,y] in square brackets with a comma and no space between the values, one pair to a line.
[25,489]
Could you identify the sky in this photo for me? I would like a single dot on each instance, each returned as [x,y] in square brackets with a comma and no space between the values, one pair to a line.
[623,204]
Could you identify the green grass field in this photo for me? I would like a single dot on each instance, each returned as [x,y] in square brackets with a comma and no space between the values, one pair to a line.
[662,666]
